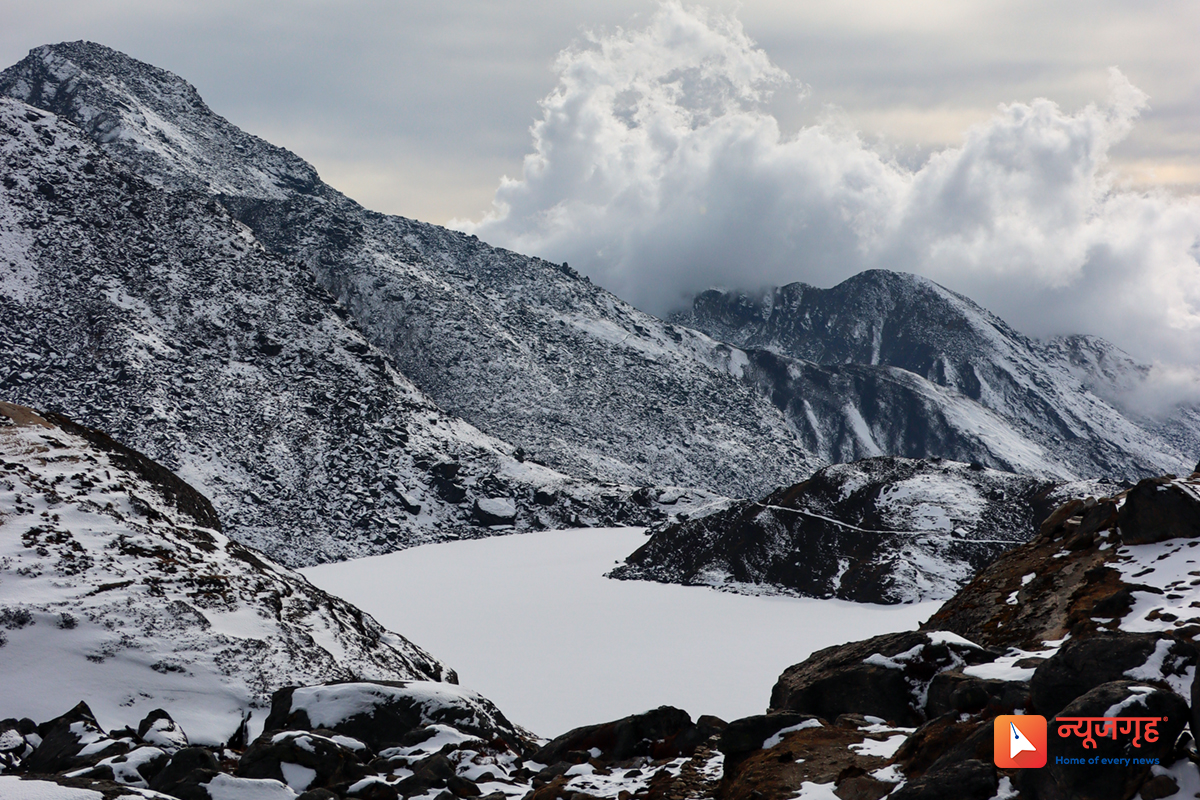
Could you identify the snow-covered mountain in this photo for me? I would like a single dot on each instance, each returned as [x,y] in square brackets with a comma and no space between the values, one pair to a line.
[116,584]
[524,349]
[532,353]
[154,315]
[880,530]
[1057,398]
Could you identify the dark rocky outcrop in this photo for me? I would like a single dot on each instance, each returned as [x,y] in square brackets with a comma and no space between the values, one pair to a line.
[157,728]
[65,738]
[664,732]
[880,530]
[954,692]
[884,677]
[183,775]
[748,734]
[972,779]
[1158,509]
[1083,664]
[330,762]
[381,714]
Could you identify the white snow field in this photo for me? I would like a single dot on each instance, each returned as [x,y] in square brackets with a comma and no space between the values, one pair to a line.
[529,621]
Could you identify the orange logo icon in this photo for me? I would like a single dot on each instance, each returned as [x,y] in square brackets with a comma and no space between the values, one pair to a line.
[1020,741]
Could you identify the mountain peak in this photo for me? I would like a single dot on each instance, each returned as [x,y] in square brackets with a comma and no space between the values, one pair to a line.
[151,116]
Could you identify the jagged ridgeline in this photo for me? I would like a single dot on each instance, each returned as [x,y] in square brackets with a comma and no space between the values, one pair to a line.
[118,587]
[880,530]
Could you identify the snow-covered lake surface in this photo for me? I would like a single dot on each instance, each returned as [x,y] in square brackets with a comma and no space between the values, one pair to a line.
[530,622]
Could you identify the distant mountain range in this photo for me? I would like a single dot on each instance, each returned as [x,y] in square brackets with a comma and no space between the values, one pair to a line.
[343,382]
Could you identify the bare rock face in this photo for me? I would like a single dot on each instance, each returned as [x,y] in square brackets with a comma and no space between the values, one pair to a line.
[1158,509]
[887,676]
[157,317]
[664,732]
[1083,664]
[904,322]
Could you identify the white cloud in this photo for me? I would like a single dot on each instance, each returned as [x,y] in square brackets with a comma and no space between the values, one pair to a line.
[657,170]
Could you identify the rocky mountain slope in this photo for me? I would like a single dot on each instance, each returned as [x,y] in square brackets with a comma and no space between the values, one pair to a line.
[1094,617]
[156,316]
[532,353]
[1063,395]
[526,350]
[116,584]
[881,530]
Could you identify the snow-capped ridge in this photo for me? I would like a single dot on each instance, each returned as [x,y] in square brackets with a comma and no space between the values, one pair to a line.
[117,585]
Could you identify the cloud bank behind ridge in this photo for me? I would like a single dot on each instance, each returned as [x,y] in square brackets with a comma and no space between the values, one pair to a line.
[658,170]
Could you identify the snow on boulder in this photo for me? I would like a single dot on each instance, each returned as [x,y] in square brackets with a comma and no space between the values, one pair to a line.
[886,676]
[381,713]
[495,510]
[117,586]
[301,759]
[1081,665]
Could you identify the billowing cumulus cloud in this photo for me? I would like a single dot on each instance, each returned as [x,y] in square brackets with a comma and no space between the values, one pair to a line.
[657,169]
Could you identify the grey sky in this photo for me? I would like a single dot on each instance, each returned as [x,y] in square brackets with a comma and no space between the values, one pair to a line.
[418,108]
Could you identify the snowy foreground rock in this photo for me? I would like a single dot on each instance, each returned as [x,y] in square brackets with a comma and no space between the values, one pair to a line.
[117,586]
[118,591]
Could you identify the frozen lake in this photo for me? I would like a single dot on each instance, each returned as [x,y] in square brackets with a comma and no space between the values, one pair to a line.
[529,621]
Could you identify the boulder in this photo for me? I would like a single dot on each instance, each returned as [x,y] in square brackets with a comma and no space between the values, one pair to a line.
[750,733]
[1054,525]
[73,741]
[495,510]
[1100,517]
[886,676]
[135,768]
[380,713]
[301,759]
[1073,771]
[953,691]
[664,732]
[431,773]
[1080,665]
[1158,509]
[158,729]
[318,794]
[929,743]
[183,776]
[14,747]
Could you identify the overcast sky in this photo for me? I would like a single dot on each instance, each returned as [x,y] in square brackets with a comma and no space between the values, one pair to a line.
[662,148]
